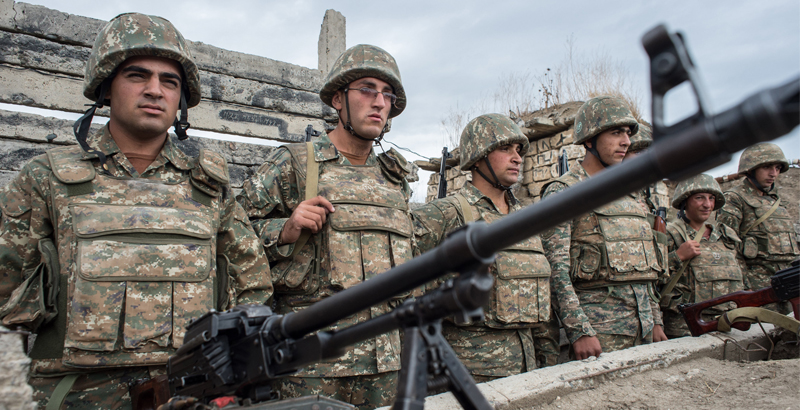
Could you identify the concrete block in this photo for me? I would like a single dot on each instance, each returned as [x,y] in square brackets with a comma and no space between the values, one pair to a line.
[543,145]
[528,176]
[554,171]
[7,14]
[532,150]
[15,393]
[332,40]
[561,139]
[528,163]
[434,179]
[575,151]
[542,173]
[544,158]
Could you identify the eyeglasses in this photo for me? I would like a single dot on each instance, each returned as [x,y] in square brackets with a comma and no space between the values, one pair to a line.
[372,93]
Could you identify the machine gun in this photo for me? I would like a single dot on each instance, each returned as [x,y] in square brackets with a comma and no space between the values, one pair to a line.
[785,287]
[239,351]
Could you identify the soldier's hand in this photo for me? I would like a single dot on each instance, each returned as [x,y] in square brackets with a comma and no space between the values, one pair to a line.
[658,334]
[587,346]
[310,214]
[688,250]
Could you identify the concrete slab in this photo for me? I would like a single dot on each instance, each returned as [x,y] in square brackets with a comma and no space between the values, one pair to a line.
[544,385]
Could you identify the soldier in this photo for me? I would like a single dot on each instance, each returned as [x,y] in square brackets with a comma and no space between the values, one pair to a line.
[702,255]
[604,262]
[331,214]
[492,147]
[753,209]
[110,248]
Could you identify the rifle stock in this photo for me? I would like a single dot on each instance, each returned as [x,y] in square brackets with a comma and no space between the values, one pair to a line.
[785,287]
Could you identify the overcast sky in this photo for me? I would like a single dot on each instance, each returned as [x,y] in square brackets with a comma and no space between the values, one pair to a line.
[453,53]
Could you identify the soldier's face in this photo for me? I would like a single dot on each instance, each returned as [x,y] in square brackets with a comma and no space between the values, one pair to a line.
[612,145]
[368,113]
[505,162]
[145,95]
[700,206]
[767,174]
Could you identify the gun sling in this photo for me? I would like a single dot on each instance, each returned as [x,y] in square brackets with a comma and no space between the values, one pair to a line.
[312,187]
[757,314]
[673,280]
[763,217]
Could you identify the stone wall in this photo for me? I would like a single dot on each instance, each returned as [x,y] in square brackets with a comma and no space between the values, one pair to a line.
[42,58]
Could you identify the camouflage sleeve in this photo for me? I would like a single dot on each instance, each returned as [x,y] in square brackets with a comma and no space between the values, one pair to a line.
[248,263]
[656,309]
[24,220]
[731,212]
[556,243]
[432,222]
[269,197]
[674,242]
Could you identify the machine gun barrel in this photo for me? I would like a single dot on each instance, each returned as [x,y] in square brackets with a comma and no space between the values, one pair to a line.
[697,147]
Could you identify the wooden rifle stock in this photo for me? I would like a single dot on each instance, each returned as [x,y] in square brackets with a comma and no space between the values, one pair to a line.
[786,281]
[150,393]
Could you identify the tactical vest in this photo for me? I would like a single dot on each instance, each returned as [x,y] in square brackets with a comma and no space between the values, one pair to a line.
[614,244]
[771,240]
[369,232]
[521,293]
[139,255]
[715,272]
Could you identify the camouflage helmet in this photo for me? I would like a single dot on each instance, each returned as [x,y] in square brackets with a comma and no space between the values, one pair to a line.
[601,114]
[486,133]
[761,154]
[697,184]
[361,61]
[642,139]
[133,34]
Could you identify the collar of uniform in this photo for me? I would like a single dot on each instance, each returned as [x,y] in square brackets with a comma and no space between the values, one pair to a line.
[579,171]
[324,150]
[475,197]
[749,189]
[103,142]
[175,155]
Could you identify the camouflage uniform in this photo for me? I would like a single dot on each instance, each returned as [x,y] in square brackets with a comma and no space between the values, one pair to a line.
[369,232]
[604,262]
[109,265]
[715,272]
[771,245]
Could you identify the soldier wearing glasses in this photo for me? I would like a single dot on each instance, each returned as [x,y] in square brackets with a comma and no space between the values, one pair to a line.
[332,213]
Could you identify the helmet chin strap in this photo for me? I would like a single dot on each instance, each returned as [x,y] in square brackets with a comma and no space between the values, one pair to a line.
[183,124]
[593,151]
[353,132]
[682,213]
[82,125]
[758,185]
[495,182]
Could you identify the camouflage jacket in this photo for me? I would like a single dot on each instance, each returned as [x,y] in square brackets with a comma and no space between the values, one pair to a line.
[771,241]
[611,308]
[369,232]
[521,295]
[715,272]
[69,226]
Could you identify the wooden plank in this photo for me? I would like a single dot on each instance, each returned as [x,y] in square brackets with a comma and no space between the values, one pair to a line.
[63,93]
[42,54]
[72,29]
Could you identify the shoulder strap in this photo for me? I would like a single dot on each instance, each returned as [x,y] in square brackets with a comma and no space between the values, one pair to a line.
[466,208]
[312,188]
[763,217]
[673,279]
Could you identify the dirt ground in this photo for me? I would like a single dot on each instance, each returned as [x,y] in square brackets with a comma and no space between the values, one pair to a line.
[703,384]
[700,384]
